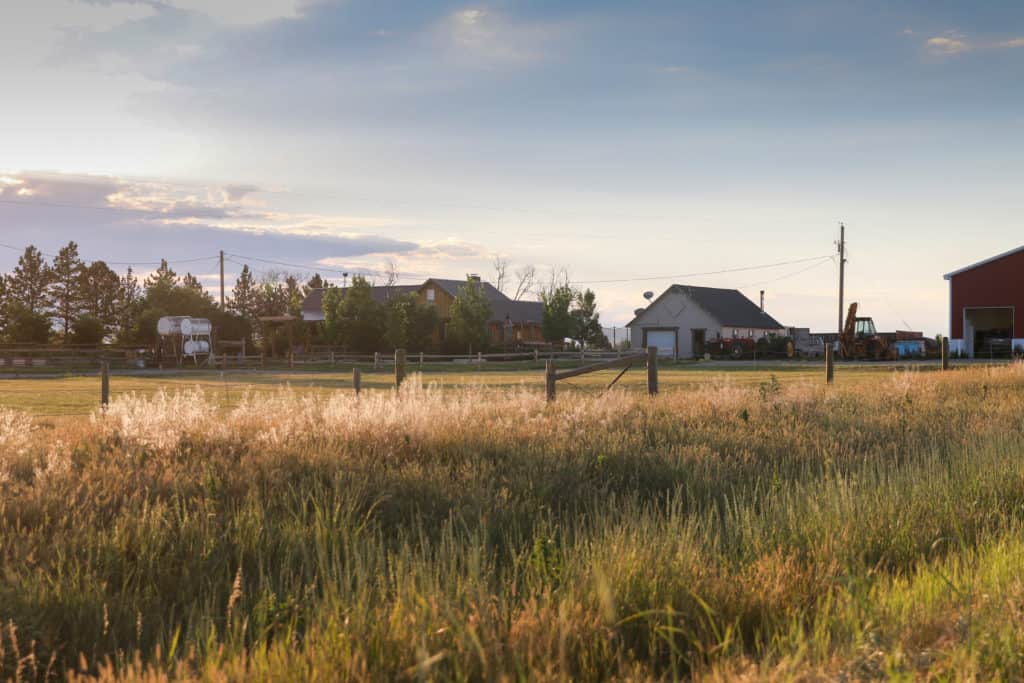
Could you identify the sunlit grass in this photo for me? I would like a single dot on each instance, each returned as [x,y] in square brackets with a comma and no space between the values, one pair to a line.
[759,529]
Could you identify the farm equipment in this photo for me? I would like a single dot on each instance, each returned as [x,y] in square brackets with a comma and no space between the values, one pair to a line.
[861,341]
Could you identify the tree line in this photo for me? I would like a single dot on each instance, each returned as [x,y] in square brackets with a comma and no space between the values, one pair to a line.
[69,301]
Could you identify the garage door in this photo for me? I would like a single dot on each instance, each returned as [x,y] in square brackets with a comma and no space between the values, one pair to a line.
[665,340]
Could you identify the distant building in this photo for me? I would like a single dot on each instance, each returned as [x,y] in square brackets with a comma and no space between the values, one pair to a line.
[684,318]
[983,300]
[512,322]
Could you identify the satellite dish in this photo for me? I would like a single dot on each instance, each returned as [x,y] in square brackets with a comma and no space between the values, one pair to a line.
[648,295]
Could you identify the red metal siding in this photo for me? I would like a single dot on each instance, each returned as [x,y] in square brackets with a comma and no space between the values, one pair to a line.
[999,283]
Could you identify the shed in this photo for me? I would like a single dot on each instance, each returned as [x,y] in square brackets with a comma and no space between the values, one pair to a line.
[983,301]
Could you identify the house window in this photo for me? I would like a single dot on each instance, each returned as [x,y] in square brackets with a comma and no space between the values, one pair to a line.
[735,333]
[750,334]
[430,295]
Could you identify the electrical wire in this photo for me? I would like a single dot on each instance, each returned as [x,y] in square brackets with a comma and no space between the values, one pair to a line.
[698,274]
[789,275]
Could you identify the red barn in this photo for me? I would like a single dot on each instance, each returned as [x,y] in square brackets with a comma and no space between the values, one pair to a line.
[983,300]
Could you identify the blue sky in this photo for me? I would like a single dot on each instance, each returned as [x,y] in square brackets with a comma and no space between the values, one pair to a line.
[619,140]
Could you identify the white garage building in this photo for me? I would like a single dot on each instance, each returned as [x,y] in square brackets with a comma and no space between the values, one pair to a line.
[683,318]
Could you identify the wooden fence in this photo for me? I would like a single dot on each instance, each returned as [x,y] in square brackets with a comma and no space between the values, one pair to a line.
[649,356]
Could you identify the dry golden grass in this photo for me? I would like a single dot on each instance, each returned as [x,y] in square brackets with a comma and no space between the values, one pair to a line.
[765,531]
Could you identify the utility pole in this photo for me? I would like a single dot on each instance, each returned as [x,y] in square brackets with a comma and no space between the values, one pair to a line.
[842,272]
[222,279]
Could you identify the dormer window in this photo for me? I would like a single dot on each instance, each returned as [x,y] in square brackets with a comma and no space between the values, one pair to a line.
[430,295]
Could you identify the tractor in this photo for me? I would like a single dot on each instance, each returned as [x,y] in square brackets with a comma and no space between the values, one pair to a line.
[861,341]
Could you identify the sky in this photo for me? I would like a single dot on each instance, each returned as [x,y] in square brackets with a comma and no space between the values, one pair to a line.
[635,144]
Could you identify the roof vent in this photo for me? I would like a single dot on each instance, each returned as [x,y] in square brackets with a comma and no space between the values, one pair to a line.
[638,311]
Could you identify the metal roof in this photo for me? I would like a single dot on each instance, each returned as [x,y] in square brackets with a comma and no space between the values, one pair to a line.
[728,306]
[949,276]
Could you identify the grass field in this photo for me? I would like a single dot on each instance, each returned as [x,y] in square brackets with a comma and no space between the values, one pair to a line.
[734,527]
[55,395]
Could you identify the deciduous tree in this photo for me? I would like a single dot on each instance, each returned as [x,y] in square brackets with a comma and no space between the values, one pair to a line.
[469,314]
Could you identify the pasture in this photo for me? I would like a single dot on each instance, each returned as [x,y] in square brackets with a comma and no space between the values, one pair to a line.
[53,395]
[747,524]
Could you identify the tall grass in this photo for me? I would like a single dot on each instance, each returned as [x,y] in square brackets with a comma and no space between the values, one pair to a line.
[762,532]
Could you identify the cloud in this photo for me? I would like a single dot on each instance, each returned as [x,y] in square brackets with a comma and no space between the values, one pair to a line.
[482,37]
[141,222]
[947,46]
[236,193]
[953,43]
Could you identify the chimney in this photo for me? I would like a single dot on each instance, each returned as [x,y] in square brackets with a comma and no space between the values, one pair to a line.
[473,277]
[762,301]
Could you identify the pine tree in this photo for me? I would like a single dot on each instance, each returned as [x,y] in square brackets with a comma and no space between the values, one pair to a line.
[129,298]
[243,296]
[100,293]
[315,282]
[64,282]
[28,285]
[190,281]
[163,278]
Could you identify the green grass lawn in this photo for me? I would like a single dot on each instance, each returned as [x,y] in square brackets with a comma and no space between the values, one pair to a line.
[51,395]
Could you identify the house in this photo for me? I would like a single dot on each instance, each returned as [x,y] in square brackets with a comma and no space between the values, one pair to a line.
[684,318]
[983,302]
[512,322]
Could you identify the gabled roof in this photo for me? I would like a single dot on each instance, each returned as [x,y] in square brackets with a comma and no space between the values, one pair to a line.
[313,304]
[501,305]
[728,306]
[949,276]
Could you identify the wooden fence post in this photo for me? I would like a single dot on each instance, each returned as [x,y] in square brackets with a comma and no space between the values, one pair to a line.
[332,358]
[291,359]
[945,353]
[399,367]
[104,384]
[549,379]
[830,370]
[652,370]
[536,355]
[421,360]
[357,380]
[376,359]
[479,360]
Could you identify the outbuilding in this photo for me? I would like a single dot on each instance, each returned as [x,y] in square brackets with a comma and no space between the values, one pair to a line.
[685,318]
[984,298]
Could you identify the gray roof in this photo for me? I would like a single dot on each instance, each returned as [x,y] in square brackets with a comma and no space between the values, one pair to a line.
[501,305]
[728,306]
[313,304]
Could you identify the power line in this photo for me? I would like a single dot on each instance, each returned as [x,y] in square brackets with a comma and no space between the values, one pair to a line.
[709,272]
[350,271]
[789,275]
[119,263]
